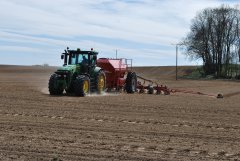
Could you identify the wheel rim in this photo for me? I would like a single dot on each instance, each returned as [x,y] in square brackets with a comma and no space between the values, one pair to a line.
[101,82]
[85,86]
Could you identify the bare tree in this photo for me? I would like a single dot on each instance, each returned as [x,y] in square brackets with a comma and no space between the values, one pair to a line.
[215,38]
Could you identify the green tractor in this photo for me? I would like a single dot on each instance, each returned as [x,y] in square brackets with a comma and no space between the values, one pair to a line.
[79,75]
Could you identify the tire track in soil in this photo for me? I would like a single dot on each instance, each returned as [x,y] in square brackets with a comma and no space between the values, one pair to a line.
[88,152]
[114,120]
[105,129]
[129,148]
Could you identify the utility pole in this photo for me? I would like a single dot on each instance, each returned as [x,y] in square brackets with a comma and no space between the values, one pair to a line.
[176,61]
[116,53]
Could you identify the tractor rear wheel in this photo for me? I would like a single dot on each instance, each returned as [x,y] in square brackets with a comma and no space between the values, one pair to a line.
[100,82]
[53,86]
[81,86]
[131,82]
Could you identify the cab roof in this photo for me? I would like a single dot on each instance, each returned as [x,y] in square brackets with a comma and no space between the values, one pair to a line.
[80,52]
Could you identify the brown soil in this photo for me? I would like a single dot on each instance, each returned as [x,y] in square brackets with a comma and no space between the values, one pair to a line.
[37,126]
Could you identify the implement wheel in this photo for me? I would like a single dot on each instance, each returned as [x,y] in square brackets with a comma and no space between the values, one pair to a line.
[101,82]
[150,90]
[82,86]
[53,86]
[131,82]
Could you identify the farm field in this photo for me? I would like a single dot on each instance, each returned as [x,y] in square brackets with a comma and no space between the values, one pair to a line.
[36,126]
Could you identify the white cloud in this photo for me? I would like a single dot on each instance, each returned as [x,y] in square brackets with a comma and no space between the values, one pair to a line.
[59,23]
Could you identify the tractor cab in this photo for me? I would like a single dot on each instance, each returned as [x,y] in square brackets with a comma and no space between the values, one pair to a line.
[83,59]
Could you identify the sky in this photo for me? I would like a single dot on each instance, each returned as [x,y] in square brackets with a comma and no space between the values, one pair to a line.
[36,32]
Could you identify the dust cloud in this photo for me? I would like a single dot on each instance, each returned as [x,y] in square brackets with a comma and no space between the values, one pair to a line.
[44,90]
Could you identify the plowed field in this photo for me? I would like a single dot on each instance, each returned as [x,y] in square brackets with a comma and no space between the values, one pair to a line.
[36,126]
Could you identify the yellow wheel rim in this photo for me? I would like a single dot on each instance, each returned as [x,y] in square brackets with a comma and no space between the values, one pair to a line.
[101,83]
[85,86]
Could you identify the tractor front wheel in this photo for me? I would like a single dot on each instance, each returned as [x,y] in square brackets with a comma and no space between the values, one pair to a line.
[82,86]
[131,82]
[53,86]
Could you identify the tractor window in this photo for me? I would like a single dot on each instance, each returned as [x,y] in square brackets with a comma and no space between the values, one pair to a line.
[83,58]
[80,58]
[92,60]
[73,59]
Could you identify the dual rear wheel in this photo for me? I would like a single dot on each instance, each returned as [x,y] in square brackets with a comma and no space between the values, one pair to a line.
[82,84]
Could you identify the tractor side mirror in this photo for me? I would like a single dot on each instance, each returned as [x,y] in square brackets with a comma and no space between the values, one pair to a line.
[62,56]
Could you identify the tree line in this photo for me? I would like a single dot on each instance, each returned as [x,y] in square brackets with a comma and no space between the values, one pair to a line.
[214,38]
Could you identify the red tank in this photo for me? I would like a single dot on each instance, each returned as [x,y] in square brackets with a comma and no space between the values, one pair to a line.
[115,70]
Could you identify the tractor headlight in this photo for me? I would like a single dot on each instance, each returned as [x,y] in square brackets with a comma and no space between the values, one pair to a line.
[62,74]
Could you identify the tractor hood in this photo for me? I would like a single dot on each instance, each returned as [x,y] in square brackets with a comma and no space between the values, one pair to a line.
[70,68]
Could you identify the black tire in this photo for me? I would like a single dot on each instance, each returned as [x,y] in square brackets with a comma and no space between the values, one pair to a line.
[150,90]
[53,86]
[70,89]
[80,88]
[131,82]
[100,82]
